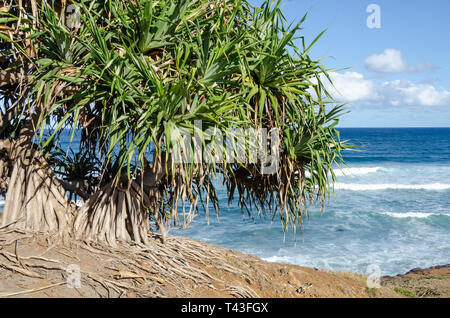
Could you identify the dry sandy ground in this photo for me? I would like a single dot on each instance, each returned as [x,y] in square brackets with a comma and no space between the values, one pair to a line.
[429,282]
[36,266]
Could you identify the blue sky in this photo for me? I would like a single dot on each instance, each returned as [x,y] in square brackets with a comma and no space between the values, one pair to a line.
[398,74]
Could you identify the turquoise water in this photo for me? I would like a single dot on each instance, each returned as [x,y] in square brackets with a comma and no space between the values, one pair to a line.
[391,208]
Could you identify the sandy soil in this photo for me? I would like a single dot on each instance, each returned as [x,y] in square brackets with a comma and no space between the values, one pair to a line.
[36,266]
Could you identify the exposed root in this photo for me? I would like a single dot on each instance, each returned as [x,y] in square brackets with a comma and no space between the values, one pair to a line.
[30,290]
[171,269]
[115,214]
[242,292]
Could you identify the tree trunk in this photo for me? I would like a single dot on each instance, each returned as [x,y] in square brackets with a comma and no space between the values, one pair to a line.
[117,213]
[34,200]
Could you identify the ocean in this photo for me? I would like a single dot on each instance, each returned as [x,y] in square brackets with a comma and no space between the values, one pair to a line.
[391,208]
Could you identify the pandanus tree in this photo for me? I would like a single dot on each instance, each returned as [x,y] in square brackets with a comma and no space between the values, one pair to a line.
[97,98]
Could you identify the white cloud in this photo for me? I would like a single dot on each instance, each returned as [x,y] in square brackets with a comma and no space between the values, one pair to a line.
[391,61]
[407,93]
[352,87]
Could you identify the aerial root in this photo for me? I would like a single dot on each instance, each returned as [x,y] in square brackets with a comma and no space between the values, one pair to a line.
[114,215]
[35,201]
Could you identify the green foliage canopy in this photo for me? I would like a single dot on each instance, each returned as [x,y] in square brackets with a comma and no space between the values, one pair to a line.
[134,75]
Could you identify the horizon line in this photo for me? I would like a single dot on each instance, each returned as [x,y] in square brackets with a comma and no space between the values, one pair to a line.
[395,127]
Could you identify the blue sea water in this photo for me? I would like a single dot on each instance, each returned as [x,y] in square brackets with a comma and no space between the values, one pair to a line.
[391,208]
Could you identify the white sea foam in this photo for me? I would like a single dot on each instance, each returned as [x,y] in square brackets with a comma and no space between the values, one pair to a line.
[278,259]
[386,186]
[357,171]
[402,215]
[353,171]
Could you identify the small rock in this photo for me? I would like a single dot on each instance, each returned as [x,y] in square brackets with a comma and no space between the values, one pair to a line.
[304,288]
